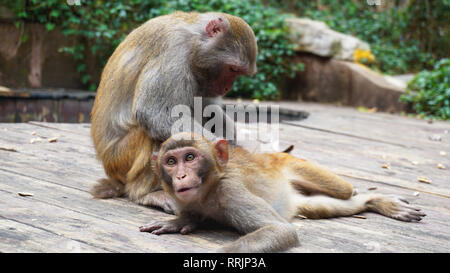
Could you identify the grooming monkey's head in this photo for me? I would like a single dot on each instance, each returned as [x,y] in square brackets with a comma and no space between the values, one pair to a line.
[189,165]
[226,49]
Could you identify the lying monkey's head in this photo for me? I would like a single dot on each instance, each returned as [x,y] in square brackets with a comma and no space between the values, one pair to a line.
[189,165]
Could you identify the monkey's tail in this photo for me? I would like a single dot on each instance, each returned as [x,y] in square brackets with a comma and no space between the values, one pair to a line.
[107,188]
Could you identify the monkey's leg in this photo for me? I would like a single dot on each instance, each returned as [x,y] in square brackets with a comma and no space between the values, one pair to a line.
[107,188]
[309,178]
[325,207]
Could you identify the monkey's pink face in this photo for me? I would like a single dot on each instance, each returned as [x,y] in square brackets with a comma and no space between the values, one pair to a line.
[183,169]
[226,79]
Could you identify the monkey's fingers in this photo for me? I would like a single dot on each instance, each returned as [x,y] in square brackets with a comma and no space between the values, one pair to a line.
[407,213]
[187,229]
[409,216]
[150,227]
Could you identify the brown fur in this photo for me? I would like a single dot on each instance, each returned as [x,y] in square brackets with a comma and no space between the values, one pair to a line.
[152,70]
[258,194]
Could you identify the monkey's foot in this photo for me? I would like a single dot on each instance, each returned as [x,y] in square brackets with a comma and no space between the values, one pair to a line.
[396,207]
[107,188]
[172,226]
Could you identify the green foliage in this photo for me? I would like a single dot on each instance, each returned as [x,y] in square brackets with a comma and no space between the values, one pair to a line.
[99,26]
[429,92]
[405,36]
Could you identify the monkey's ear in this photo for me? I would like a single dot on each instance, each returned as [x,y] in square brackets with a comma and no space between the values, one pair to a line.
[215,26]
[221,146]
[154,165]
[154,156]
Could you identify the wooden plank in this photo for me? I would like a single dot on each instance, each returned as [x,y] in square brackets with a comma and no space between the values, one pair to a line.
[91,230]
[364,159]
[18,237]
[39,167]
[119,211]
[378,127]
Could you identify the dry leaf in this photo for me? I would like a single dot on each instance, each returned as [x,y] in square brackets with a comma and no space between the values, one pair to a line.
[24,194]
[424,180]
[8,149]
[359,216]
[372,188]
[37,139]
[372,110]
[302,216]
[440,166]
[54,139]
[416,193]
[435,137]
[386,166]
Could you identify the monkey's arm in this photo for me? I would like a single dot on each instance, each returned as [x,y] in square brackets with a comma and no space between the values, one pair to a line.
[183,224]
[214,105]
[266,230]
[158,91]
[159,199]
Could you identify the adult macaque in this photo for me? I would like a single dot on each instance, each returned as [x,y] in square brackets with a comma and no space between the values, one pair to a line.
[163,63]
[256,193]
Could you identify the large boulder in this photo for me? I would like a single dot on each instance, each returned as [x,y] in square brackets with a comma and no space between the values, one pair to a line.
[316,37]
[329,80]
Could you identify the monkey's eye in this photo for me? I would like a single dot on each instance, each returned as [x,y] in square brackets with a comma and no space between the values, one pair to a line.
[171,161]
[189,157]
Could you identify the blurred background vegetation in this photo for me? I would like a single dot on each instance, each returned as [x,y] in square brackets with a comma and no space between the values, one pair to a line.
[406,36]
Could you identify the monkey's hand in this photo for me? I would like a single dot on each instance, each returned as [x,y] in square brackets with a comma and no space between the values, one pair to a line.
[183,226]
[395,207]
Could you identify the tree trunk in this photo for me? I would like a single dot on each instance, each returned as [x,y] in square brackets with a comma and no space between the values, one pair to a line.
[35,75]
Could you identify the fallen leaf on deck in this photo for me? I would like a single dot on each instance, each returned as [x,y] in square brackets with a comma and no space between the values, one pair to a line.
[435,138]
[33,140]
[24,194]
[54,139]
[424,180]
[440,166]
[8,149]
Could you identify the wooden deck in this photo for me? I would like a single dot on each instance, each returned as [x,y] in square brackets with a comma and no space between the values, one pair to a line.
[61,216]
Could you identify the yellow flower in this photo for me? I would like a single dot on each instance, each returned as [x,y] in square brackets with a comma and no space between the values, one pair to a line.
[359,54]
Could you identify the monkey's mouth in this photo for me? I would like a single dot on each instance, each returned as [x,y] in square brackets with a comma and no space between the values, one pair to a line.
[186,189]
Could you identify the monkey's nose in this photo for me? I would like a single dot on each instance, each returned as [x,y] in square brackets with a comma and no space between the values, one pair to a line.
[181,177]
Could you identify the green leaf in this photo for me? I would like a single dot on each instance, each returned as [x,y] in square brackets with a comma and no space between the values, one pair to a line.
[50,26]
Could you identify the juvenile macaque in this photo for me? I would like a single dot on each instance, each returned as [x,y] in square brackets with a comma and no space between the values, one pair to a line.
[163,63]
[257,194]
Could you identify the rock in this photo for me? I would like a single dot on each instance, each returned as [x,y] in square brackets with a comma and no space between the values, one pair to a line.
[336,81]
[316,37]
